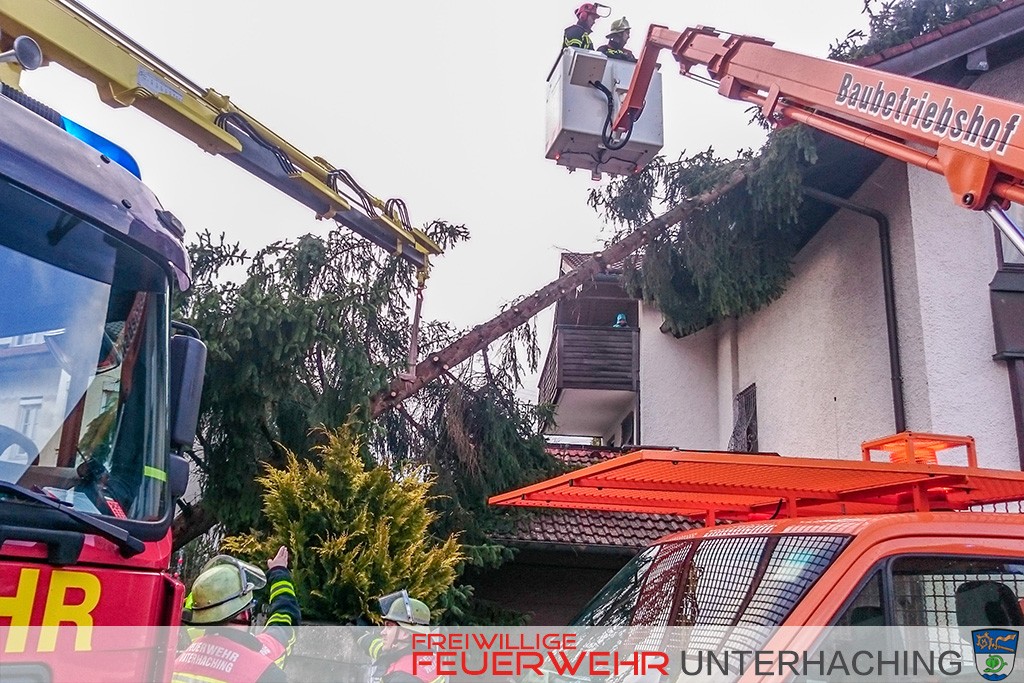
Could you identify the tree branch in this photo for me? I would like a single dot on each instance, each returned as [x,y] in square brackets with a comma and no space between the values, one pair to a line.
[438,363]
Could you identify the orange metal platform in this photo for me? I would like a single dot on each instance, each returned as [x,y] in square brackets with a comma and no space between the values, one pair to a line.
[743,487]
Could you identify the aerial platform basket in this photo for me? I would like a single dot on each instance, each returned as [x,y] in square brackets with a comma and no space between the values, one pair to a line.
[713,486]
[577,114]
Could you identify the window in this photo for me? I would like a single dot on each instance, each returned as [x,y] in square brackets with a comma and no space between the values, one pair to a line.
[28,415]
[936,600]
[867,608]
[111,391]
[941,592]
[957,591]
[744,431]
[28,418]
[614,604]
[748,581]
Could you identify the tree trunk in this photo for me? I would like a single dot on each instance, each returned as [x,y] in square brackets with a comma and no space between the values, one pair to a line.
[439,362]
[190,525]
[199,520]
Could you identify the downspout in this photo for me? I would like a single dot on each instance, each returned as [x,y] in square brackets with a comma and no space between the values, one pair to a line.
[896,374]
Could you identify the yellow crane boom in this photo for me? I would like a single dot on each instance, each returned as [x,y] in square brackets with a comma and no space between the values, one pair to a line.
[127,75]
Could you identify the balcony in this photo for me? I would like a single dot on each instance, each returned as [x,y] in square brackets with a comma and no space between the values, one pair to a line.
[592,375]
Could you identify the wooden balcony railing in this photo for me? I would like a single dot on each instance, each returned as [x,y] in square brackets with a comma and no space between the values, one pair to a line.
[585,357]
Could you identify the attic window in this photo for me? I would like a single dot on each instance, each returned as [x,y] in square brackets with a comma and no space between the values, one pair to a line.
[744,430]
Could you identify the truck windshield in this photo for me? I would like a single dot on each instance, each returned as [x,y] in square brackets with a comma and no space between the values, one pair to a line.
[750,583]
[83,374]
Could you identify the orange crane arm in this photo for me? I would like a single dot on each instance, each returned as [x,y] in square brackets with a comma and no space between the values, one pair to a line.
[975,141]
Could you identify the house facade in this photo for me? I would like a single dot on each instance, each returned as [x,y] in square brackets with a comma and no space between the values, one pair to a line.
[904,311]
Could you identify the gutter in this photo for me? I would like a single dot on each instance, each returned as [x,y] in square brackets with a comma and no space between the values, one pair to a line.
[896,374]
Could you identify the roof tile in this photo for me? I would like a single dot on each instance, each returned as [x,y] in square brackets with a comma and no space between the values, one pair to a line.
[890,52]
[986,13]
[925,39]
[954,27]
[938,33]
[596,528]
[576,457]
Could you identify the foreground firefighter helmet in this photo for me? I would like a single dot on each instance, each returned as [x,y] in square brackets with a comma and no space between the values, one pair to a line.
[407,612]
[618,26]
[223,590]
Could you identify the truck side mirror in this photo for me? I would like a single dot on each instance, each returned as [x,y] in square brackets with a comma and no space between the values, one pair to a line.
[177,475]
[188,367]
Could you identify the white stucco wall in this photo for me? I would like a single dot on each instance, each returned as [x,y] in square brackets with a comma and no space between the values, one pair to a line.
[728,379]
[1004,82]
[614,434]
[678,386]
[955,259]
[819,354]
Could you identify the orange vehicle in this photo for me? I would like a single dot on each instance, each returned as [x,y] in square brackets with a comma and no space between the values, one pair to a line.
[809,541]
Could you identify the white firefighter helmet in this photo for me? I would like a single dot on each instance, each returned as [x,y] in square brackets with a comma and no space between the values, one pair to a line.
[618,26]
[222,590]
[409,613]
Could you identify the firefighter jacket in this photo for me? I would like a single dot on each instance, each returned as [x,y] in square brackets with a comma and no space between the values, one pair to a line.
[577,36]
[625,54]
[396,665]
[233,655]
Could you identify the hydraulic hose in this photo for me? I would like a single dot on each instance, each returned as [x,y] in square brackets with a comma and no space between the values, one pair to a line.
[606,131]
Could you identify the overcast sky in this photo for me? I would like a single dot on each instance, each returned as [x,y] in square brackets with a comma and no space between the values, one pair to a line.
[439,103]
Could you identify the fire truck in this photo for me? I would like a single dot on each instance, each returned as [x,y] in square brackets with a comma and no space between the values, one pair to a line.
[99,391]
[99,388]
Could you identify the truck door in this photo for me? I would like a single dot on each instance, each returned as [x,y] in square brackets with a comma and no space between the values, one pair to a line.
[940,592]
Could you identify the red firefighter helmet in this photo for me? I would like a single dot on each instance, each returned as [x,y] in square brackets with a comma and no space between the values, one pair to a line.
[591,8]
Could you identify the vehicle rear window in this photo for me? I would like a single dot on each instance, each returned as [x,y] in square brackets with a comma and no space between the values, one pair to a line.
[753,581]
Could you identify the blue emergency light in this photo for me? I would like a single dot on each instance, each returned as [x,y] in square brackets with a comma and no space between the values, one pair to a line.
[102,145]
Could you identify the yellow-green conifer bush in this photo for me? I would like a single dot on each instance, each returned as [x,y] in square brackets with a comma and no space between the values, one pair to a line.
[354,533]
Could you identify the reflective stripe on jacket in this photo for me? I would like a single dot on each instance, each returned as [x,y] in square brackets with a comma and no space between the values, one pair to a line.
[284,614]
[424,672]
[577,36]
[624,54]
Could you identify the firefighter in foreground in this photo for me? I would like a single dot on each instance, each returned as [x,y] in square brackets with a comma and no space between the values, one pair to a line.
[221,602]
[391,651]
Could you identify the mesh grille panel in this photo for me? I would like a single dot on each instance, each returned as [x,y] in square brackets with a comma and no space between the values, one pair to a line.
[926,596]
[751,584]
[655,605]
